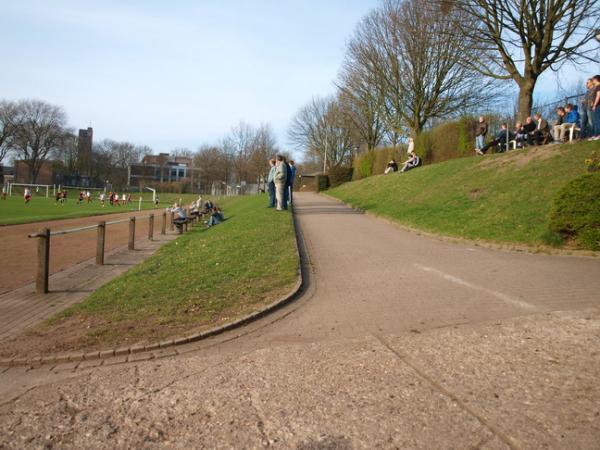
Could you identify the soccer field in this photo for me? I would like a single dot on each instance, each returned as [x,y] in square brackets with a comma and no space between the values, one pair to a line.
[13,210]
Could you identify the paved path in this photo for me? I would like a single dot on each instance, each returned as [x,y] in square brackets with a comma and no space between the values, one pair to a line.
[22,307]
[399,341]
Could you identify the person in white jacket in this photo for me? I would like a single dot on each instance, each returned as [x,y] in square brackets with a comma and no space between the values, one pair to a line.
[280,181]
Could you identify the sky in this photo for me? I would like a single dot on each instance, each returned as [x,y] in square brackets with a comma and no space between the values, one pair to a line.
[177,73]
[173,74]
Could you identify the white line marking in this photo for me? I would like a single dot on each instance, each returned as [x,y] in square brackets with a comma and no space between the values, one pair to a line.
[499,295]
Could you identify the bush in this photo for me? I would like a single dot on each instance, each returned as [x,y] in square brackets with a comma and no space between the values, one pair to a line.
[339,175]
[575,213]
[424,146]
[322,182]
[363,165]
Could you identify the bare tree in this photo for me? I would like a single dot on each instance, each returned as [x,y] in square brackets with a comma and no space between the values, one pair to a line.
[413,64]
[360,104]
[321,131]
[263,147]
[520,39]
[213,166]
[8,116]
[40,129]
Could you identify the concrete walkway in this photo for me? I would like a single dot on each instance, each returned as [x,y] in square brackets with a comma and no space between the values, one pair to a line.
[399,341]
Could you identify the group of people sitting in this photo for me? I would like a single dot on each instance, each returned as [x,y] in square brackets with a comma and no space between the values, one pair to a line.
[537,131]
[413,160]
[280,182]
[214,215]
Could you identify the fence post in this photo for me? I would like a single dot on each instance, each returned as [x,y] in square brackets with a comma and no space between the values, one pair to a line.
[172,221]
[151,227]
[132,233]
[41,282]
[100,243]
[163,226]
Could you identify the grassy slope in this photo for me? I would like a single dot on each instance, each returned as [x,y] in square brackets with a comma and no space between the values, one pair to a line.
[503,198]
[14,211]
[204,278]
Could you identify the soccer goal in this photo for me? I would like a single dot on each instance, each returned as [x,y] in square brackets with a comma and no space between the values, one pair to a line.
[36,189]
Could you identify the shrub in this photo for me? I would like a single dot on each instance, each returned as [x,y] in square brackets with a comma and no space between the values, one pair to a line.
[339,175]
[424,146]
[575,213]
[322,182]
[363,165]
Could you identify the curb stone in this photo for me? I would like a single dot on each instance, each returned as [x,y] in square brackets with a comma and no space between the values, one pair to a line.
[507,247]
[140,348]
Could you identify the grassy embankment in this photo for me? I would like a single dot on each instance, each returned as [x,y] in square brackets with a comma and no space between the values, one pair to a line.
[503,198]
[14,211]
[205,278]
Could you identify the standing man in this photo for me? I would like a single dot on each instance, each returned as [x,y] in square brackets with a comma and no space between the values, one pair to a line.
[586,110]
[271,184]
[280,181]
[290,181]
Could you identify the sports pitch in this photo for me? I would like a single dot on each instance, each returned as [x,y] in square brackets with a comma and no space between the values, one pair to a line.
[14,211]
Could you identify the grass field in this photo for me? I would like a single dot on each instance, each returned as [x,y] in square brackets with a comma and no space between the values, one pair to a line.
[205,278]
[503,198]
[14,211]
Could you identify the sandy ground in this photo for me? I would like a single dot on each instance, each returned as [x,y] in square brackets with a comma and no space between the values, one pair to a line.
[19,253]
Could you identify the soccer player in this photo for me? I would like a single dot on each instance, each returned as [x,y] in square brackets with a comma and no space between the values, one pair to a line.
[27,195]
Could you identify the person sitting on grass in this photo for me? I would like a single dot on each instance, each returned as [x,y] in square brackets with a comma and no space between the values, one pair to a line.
[216,217]
[391,167]
[412,162]
[502,139]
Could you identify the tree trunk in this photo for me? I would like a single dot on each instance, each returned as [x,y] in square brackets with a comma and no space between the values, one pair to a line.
[525,99]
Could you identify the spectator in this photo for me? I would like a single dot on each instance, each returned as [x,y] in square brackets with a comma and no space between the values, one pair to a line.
[286,190]
[215,218]
[571,119]
[411,146]
[292,178]
[586,110]
[271,184]
[560,119]
[280,181]
[391,167]
[595,107]
[481,133]
[541,135]
[520,135]
[502,140]
[412,162]
[529,129]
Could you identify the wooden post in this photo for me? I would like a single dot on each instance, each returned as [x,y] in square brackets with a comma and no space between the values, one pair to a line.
[100,243]
[151,227]
[41,282]
[172,221]
[163,226]
[132,233]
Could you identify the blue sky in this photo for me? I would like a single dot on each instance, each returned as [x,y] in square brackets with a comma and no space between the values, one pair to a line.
[178,73]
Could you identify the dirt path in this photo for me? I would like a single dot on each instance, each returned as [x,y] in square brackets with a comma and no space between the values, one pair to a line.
[399,341]
[19,253]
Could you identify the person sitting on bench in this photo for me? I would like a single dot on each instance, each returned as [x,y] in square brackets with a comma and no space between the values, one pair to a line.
[412,162]
[179,216]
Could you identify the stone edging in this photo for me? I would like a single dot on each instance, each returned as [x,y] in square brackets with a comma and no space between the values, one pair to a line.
[515,248]
[105,354]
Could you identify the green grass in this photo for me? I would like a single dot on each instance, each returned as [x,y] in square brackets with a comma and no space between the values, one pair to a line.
[204,278]
[503,198]
[14,211]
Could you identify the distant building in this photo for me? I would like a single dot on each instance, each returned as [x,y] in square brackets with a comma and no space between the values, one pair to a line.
[45,175]
[84,151]
[161,168]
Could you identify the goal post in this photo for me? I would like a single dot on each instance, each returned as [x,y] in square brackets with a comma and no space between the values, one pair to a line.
[30,185]
[153,193]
